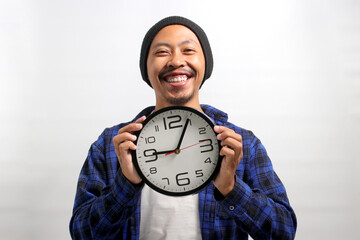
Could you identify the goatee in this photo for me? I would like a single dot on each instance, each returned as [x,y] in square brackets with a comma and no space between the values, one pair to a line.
[179,101]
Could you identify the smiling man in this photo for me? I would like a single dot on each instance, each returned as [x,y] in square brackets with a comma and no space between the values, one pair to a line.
[176,67]
[245,198]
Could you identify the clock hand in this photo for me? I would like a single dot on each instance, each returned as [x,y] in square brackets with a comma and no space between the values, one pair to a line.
[164,152]
[182,134]
[178,150]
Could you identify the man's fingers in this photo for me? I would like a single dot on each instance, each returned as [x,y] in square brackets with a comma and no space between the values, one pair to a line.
[232,151]
[224,132]
[125,147]
[125,136]
[226,151]
[132,127]
[232,143]
[140,120]
[123,143]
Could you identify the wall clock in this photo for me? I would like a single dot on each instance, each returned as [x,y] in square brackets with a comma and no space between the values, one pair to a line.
[177,151]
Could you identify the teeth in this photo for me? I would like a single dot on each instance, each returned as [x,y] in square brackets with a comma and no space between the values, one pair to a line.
[177,79]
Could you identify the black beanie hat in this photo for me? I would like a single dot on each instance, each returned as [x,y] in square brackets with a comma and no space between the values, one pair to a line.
[175,20]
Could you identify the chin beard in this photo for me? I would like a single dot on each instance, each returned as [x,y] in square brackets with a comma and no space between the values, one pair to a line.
[180,100]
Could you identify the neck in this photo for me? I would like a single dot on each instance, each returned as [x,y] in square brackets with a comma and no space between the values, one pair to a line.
[195,105]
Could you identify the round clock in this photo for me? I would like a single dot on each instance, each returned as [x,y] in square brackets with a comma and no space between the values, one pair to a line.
[177,151]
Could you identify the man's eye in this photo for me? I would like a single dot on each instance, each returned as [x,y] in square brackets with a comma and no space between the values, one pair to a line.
[189,50]
[159,52]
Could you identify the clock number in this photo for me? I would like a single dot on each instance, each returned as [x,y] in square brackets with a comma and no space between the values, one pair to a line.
[168,181]
[208,160]
[173,123]
[208,147]
[182,181]
[202,130]
[156,128]
[199,173]
[151,153]
[150,140]
[153,170]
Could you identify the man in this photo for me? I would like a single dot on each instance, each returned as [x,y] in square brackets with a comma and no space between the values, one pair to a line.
[245,198]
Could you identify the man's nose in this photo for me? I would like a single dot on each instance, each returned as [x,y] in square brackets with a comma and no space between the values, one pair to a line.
[177,60]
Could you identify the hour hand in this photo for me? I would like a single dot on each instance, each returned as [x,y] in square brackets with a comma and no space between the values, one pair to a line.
[163,152]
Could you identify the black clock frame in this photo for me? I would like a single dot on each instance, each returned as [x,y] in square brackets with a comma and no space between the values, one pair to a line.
[160,190]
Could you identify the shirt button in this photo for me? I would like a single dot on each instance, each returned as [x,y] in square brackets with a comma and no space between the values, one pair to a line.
[231,208]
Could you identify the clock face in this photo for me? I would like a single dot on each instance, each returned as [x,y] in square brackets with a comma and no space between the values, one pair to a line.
[177,151]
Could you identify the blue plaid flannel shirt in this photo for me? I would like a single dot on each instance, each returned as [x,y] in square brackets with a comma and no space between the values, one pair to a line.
[107,206]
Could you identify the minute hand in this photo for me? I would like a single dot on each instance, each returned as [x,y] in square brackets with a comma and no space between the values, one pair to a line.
[182,134]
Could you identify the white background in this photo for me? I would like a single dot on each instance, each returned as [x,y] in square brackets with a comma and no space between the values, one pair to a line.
[287,70]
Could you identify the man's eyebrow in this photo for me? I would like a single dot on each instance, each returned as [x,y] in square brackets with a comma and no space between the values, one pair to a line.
[189,41]
[158,44]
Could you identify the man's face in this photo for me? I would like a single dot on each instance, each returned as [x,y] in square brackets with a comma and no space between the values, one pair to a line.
[176,66]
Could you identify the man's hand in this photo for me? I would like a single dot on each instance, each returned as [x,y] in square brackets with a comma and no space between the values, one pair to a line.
[123,143]
[232,150]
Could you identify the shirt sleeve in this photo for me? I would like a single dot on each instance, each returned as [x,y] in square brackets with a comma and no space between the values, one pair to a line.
[259,200]
[103,201]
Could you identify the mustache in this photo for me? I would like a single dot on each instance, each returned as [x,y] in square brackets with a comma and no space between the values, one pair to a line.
[188,70]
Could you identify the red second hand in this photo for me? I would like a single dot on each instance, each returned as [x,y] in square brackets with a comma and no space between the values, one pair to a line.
[184,148]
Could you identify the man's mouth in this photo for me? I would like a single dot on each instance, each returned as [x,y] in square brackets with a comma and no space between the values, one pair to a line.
[176,78]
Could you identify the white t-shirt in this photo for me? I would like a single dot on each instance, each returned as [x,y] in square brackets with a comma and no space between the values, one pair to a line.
[164,217]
